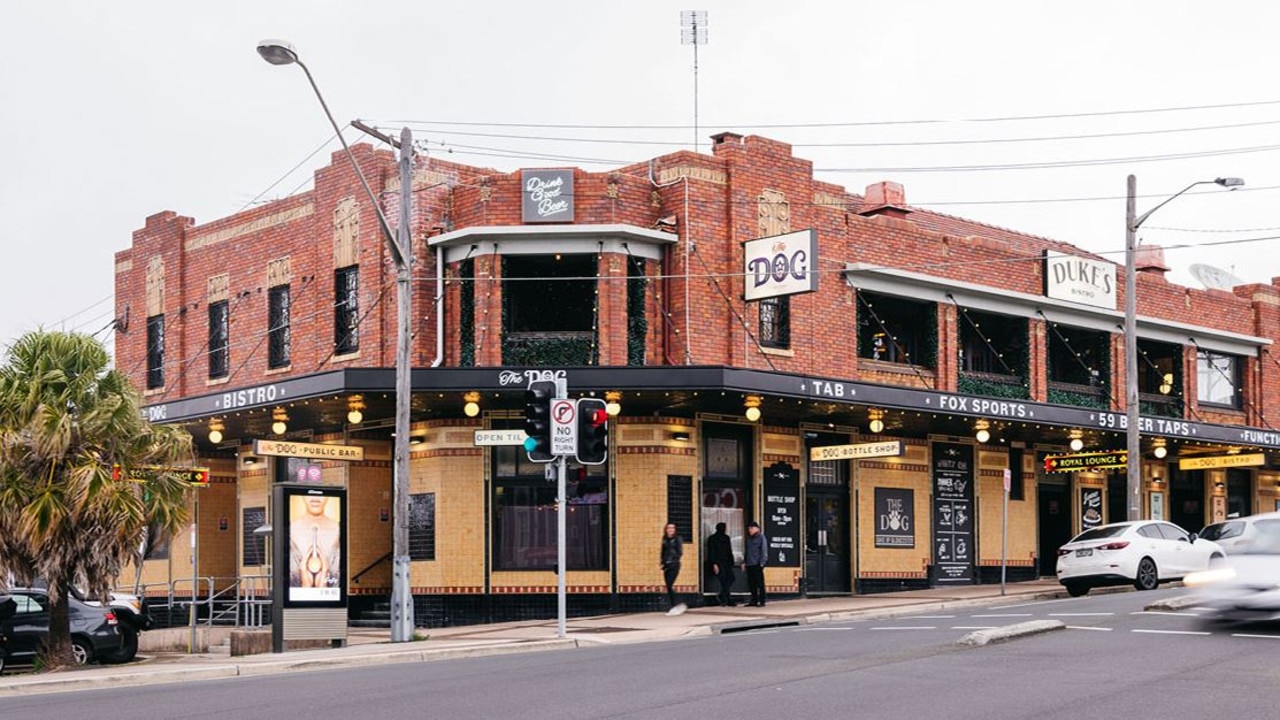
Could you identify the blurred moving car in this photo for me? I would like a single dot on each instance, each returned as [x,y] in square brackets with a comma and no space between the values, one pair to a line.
[1145,553]
[24,623]
[131,613]
[1236,532]
[1246,587]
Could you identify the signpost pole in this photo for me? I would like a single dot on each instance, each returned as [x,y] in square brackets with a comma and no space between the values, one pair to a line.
[562,502]
[195,570]
[1004,529]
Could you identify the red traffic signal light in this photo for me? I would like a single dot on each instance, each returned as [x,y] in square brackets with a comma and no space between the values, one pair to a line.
[593,432]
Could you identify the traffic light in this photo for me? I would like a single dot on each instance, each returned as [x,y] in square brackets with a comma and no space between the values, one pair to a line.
[593,432]
[537,419]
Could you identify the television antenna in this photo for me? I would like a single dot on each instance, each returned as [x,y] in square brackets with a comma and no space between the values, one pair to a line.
[693,31]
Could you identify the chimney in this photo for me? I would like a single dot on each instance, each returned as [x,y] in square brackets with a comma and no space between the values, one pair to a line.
[1149,259]
[885,198]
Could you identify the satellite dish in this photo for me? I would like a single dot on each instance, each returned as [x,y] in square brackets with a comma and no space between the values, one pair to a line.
[1214,278]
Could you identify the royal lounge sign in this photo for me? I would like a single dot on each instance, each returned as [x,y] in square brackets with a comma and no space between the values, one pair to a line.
[1080,280]
[1083,462]
[781,265]
[546,195]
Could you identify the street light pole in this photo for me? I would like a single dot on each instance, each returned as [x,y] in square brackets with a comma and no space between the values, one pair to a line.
[1133,484]
[278,52]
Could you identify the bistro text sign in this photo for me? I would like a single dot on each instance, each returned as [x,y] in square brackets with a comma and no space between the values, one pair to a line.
[1222,461]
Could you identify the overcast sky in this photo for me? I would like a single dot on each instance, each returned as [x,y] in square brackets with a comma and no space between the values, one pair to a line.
[115,111]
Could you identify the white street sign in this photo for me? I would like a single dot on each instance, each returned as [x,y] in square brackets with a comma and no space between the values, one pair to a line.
[499,437]
[564,427]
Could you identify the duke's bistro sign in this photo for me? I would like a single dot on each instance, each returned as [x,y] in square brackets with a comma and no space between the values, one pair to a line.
[1079,280]
[546,195]
[317,451]
[781,265]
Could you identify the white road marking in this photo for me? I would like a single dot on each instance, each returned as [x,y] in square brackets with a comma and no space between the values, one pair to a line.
[1247,635]
[933,617]
[907,627]
[1088,627]
[991,615]
[821,629]
[973,627]
[1172,632]
[1162,612]
[1033,604]
[1101,614]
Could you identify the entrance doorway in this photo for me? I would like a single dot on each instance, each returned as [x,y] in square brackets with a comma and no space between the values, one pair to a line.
[726,494]
[827,559]
[1186,499]
[1055,523]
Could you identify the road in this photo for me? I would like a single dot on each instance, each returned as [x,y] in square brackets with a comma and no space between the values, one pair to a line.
[1114,660]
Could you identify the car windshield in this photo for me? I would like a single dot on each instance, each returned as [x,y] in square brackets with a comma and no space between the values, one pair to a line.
[1106,531]
[1266,541]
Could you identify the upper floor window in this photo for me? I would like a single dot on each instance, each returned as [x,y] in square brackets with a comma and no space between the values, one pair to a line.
[993,344]
[775,322]
[346,310]
[278,342]
[897,330]
[1159,368]
[1078,356]
[155,352]
[1218,379]
[219,339]
[549,293]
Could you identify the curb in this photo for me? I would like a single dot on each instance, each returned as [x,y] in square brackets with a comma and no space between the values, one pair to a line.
[979,638]
[213,672]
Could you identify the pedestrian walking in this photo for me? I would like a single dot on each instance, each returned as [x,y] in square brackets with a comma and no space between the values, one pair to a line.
[672,551]
[720,557]
[754,560]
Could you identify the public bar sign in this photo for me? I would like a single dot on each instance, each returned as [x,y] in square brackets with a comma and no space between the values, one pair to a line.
[1080,280]
[1082,462]
[780,265]
[861,451]
[1222,461]
[546,195]
[499,437]
[317,451]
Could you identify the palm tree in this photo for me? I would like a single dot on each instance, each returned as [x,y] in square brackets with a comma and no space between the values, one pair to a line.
[66,418]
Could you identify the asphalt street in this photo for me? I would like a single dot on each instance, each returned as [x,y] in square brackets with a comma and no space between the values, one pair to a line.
[1114,659]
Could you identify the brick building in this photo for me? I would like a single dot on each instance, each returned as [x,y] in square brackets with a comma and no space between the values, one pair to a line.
[917,334]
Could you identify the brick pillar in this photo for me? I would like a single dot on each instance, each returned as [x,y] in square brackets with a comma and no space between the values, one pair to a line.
[488,323]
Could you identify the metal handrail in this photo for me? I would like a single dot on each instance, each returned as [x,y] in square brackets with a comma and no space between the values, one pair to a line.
[246,598]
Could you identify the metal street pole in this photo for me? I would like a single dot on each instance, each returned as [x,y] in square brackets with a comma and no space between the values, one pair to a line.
[278,52]
[561,536]
[1133,485]
[1133,480]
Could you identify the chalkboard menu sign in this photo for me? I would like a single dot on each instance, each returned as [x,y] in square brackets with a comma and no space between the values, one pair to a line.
[1090,508]
[953,474]
[782,514]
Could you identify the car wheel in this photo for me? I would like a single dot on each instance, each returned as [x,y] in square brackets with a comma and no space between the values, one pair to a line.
[128,647]
[1215,560]
[3,657]
[81,651]
[1077,589]
[1148,577]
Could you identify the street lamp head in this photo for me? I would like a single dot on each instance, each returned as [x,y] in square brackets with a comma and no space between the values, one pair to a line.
[277,52]
[1226,182]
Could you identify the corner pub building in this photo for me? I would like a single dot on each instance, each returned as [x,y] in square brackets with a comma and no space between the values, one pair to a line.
[944,350]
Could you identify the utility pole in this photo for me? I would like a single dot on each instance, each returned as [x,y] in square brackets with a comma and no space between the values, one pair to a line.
[401,598]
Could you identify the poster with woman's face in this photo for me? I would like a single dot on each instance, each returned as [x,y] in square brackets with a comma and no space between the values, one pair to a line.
[315,548]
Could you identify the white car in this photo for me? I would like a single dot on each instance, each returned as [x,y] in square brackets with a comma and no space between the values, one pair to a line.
[1237,532]
[1144,552]
[1247,586]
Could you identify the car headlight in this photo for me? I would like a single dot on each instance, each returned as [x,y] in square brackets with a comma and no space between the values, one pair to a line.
[1209,577]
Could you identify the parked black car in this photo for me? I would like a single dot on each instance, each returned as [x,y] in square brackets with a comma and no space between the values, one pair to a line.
[24,623]
[132,617]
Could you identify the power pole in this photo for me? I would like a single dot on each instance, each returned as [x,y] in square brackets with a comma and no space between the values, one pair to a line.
[401,597]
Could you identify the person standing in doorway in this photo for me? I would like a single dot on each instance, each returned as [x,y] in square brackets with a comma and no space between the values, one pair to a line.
[672,550]
[757,554]
[720,557]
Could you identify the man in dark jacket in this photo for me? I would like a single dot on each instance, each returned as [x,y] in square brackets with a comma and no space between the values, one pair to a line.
[720,558]
[757,554]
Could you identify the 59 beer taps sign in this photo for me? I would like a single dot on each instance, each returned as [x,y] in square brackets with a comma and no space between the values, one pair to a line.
[781,265]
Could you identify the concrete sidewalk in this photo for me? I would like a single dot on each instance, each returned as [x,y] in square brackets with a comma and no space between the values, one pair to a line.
[373,647]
